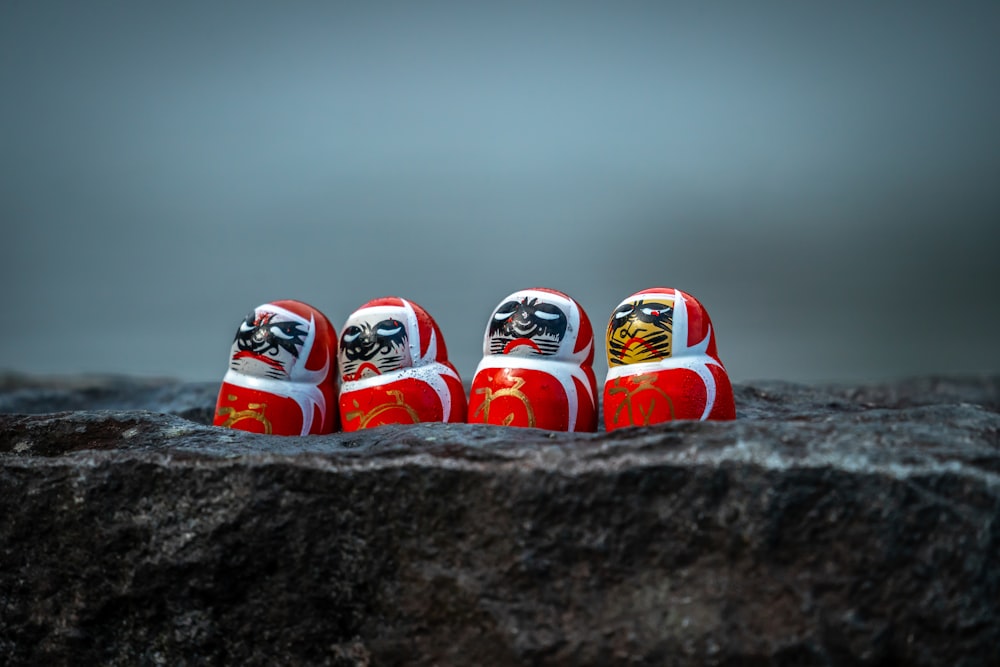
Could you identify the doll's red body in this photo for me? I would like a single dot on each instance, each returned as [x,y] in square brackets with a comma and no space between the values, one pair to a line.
[663,364]
[536,370]
[395,368]
[282,373]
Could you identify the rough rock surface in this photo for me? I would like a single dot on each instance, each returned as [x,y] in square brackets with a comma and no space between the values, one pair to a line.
[826,526]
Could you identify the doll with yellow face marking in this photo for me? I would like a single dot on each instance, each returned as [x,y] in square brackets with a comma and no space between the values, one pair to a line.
[536,371]
[663,363]
[282,376]
[395,368]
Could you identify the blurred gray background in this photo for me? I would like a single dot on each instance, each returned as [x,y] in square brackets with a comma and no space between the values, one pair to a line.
[825,179]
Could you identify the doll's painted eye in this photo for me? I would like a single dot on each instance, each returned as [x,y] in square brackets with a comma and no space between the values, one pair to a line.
[351,334]
[506,311]
[623,312]
[654,312]
[283,332]
[544,311]
[390,332]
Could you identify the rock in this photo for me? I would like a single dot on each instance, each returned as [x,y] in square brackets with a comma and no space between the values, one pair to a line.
[825,526]
[191,400]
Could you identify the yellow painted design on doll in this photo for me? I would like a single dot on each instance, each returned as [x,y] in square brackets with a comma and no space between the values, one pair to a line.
[640,331]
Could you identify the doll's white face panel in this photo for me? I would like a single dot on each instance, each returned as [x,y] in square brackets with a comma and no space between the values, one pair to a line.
[528,326]
[270,344]
[372,344]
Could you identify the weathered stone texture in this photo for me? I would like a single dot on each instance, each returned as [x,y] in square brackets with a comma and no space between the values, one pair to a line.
[826,526]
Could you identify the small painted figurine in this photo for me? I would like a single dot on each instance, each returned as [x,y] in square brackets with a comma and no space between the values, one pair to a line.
[282,376]
[662,362]
[395,368]
[537,367]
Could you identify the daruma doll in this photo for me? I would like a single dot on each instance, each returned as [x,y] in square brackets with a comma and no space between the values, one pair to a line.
[282,376]
[537,366]
[395,368]
[662,362]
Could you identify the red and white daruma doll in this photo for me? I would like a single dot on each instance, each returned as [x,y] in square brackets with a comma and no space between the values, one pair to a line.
[282,376]
[537,367]
[395,368]
[662,362]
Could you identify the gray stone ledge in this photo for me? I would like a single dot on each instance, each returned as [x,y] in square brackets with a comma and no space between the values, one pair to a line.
[827,526]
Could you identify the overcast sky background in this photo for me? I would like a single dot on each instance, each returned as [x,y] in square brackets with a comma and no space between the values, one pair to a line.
[824,178]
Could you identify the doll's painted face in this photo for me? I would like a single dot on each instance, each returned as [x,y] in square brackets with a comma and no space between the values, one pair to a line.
[269,344]
[373,344]
[528,327]
[640,330]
